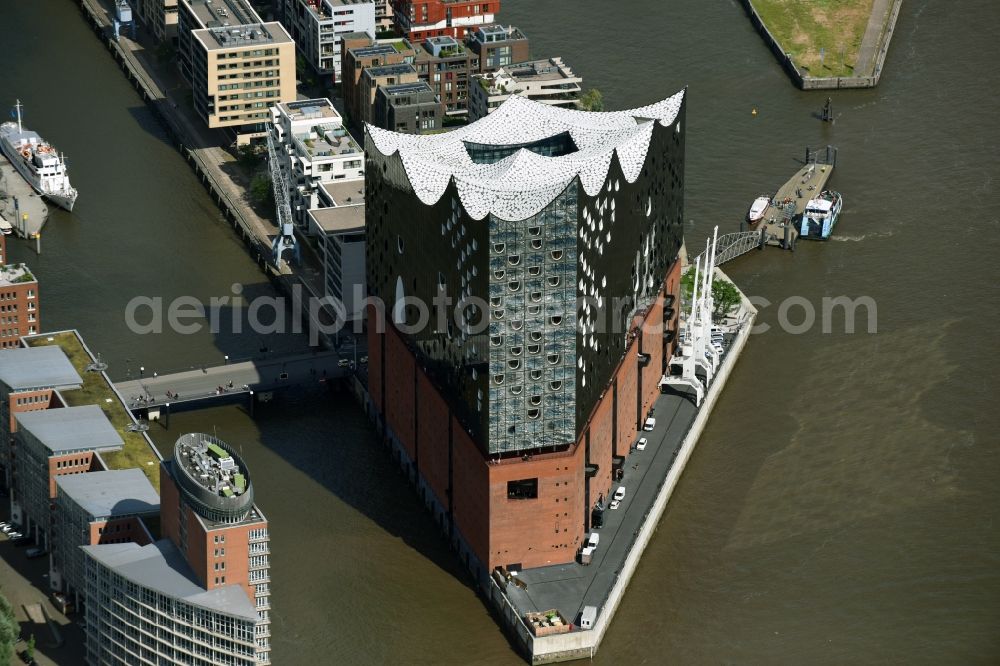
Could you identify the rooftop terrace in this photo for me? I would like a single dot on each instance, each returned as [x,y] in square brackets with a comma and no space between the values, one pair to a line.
[218,13]
[15,274]
[328,142]
[309,108]
[137,451]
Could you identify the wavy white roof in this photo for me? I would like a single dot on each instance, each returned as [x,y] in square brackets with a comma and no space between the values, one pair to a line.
[522,184]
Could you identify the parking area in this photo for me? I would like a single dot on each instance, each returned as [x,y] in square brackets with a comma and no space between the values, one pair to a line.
[25,584]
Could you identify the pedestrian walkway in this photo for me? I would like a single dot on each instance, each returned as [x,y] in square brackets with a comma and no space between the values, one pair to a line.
[872,37]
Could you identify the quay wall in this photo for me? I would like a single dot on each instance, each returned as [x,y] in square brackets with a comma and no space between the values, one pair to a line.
[806,82]
[256,241]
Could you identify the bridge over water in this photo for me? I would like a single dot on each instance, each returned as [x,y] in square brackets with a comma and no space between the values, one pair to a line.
[230,382]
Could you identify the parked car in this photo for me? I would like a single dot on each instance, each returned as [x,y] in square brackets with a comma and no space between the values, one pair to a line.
[649,424]
[363,360]
[13,534]
[641,444]
[343,363]
[620,493]
[593,539]
[35,551]
[615,504]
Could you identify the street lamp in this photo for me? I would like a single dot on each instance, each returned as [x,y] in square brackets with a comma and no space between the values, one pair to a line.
[227,358]
[142,369]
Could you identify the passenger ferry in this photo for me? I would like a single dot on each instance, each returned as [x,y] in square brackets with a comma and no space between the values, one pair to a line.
[820,216]
[37,162]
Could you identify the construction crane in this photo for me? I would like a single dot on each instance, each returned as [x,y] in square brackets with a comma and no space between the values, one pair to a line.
[285,240]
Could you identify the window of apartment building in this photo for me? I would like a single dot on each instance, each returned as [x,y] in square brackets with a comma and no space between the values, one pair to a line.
[522,489]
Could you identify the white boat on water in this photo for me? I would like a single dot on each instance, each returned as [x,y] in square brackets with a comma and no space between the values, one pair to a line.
[758,208]
[38,162]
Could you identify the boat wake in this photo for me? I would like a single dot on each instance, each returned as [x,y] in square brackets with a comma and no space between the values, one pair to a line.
[855,239]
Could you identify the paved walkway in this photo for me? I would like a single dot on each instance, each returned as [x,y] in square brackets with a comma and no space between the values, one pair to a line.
[258,375]
[570,587]
[13,186]
[865,62]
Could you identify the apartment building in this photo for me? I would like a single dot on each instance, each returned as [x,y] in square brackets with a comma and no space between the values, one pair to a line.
[53,443]
[20,309]
[201,594]
[549,81]
[498,46]
[318,26]
[315,148]
[97,508]
[159,17]
[339,225]
[372,78]
[383,16]
[447,66]
[237,66]
[360,52]
[410,108]
[419,19]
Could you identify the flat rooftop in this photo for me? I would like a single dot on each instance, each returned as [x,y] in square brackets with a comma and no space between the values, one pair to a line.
[161,567]
[243,36]
[547,69]
[329,141]
[39,367]
[339,219]
[304,109]
[212,467]
[83,428]
[406,88]
[15,274]
[495,33]
[345,192]
[381,48]
[218,13]
[390,70]
[121,492]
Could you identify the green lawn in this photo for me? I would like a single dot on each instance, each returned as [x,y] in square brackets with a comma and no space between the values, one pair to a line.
[136,452]
[803,27]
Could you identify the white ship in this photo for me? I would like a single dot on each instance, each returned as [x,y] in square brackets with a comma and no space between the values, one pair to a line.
[38,162]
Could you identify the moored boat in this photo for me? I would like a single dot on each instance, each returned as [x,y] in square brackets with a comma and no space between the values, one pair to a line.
[38,162]
[820,216]
[758,209]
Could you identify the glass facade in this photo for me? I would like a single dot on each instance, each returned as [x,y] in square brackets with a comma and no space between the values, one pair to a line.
[532,327]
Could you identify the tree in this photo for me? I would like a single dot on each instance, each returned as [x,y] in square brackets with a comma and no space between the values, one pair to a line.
[249,156]
[592,100]
[30,652]
[726,297]
[9,630]
[260,189]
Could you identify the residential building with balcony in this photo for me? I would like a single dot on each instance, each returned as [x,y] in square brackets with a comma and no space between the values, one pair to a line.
[315,148]
[318,26]
[419,19]
[549,81]
[20,304]
[567,226]
[448,66]
[410,108]
[97,508]
[339,225]
[237,66]
[53,443]
[373,78]
[360,52]
[383,16]
[159,17]
[498,46]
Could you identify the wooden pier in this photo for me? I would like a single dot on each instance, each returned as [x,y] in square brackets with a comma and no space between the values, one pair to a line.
[19,204]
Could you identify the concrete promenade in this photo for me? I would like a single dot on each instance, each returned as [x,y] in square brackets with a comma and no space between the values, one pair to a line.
[650,478]
[200,385]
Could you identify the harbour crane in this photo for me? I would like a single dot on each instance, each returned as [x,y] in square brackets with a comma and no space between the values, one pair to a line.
[285,240]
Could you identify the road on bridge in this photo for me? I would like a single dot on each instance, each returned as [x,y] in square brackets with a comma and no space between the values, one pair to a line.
[233,378]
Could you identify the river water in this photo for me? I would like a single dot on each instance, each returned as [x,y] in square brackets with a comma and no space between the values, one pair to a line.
[841,507]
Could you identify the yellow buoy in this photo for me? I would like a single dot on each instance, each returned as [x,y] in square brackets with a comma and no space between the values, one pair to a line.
[754,111]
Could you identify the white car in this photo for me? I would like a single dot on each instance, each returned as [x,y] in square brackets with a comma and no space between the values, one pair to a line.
[593,539]
[615,504]
[649,424]
[641,444]
[620,493]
